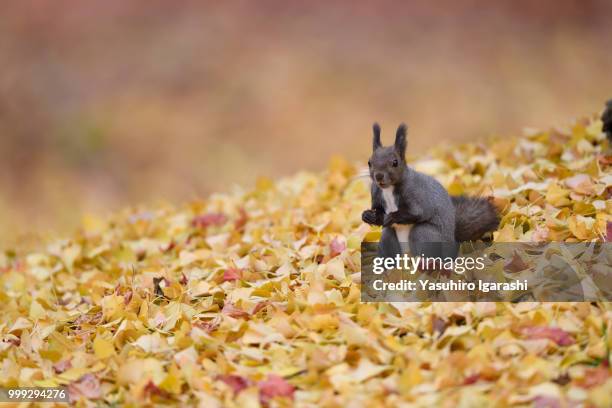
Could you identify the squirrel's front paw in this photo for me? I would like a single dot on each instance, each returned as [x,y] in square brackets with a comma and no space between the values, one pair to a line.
[390,219]
[369,217]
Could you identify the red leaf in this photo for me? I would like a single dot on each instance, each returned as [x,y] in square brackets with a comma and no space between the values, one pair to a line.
[62,366]
[127,297]
[210,325]
[183,280]
[232,274]
[605,160]
[543,401]
[236,382]
[336,246]
[275,386]
[89,319]
[471,379]
[609,231]
[206,220]
[559,336]
[151,389]
[87,386]
[14,340]
[168,247]
[595,376]
[232,311]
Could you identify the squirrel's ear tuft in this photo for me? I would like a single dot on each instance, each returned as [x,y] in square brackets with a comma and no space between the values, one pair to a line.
[376,138]
[400,140]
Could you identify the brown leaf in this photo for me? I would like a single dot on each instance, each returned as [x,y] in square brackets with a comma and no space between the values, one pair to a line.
[515,264]
[157,285]
[438,325]
[260,306]
[242,219]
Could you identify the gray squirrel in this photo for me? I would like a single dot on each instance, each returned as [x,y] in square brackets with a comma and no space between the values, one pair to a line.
[415,208]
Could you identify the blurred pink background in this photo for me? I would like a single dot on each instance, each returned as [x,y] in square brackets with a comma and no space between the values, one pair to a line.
[110,103]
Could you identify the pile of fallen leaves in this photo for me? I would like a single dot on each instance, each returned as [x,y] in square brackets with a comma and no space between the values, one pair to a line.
[252,298]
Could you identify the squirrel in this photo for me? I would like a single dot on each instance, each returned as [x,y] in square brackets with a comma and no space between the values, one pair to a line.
[606,118]
[415,208]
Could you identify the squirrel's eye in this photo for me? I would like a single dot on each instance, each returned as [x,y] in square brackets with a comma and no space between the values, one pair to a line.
[369,163]
[395,163]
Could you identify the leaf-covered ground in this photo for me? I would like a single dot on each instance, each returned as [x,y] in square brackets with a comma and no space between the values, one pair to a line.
[252,298]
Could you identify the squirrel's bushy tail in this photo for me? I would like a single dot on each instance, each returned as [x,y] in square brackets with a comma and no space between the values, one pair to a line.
[474,217]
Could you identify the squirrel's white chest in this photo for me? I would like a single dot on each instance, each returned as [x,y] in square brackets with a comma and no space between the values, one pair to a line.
[401,230]
[390,203]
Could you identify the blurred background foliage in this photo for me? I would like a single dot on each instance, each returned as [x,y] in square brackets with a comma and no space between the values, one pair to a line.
[108,103]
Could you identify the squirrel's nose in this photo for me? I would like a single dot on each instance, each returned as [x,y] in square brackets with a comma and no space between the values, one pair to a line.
[379,176]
